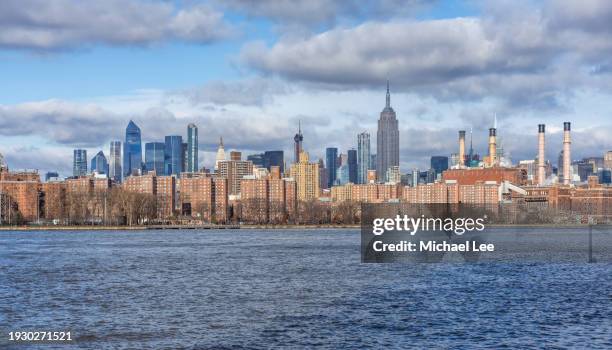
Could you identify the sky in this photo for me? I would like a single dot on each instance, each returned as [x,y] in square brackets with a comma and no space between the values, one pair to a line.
[73,73]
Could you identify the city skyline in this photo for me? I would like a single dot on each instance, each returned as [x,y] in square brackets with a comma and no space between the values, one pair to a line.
[239,71]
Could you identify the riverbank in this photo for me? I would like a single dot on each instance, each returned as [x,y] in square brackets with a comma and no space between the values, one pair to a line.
[227,227]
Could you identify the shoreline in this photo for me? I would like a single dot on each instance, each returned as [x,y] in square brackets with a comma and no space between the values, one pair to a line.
[236,227]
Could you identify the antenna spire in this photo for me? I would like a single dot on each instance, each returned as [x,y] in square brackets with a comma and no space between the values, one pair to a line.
[388,95]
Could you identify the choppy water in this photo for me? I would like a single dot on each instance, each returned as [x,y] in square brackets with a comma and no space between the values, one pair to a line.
[286,288]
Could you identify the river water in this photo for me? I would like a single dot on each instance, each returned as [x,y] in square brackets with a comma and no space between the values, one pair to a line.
[232,289]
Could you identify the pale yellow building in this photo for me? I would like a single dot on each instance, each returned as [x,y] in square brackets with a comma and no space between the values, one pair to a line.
[306,176]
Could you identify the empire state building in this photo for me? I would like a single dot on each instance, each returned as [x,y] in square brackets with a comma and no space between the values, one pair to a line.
[387,140]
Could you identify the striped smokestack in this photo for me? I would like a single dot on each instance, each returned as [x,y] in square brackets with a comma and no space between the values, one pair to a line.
[567,156]
[541,155]
[461,148]
[492,147]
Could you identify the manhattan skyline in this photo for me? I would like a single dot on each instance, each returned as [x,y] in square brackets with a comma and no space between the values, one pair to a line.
[238,70]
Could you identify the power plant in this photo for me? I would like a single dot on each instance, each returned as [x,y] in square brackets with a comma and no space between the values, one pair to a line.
[461,160]
[541,155]
[492,147]
[567,153]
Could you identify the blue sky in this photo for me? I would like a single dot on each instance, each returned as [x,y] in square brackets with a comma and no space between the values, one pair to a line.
[74,73]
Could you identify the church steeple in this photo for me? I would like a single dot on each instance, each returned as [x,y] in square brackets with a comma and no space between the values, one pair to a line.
[388,105]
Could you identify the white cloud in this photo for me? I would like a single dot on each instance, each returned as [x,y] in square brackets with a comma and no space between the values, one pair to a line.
[65,24]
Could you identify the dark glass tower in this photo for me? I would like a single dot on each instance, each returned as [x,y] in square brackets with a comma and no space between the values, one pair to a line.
[132,150]
[79,162]
[173,155]
[192,148]
[352,165]
[439,164]
[154,157]
[387,140]
[274,158]
[331,163]
[257,159]
[99,164]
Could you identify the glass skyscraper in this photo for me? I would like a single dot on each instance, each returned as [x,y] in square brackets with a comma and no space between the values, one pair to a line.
[439,164]
[192,148]
[331,163]
[79,162]
[173,155]
[154,157]
[274,158]
[99,164]
[257,159]
[132,150]
[352,166]
[387,140]
[363,157]
[114,166]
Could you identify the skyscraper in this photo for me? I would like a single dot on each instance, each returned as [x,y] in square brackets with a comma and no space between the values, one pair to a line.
[297,139]
[387,140]
[220,154]
[114,171]
[257,160]
[99,164]
[173,155]
[184,156]
[192,148]
[363,156]
[274,158]
[331,163]
[439,164]
[154,157]
[306,176]
[352,166]
[132,150]
[79,162]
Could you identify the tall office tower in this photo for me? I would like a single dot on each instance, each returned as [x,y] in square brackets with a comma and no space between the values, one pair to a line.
[99,164]
[114,171]
[352,165]
[608,160]
[387,140]
[567,156]
[394,175]
[373,162]
[363,156]
[492,147]
[257,160]
[323,178]
[79,162]
[192,148]
[331,164]
[154,157]
[173,155]
[461,159]
[297,139]
[541,155]
[471,155]
[184,156]
[234,170]
[274,158]
[439,164]
[416,175]
[220,154]
[306,176]
[132,150]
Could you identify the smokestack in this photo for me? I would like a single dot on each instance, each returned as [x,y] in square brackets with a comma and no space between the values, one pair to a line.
[461,148]
[492,147]
[567,141]
[541,147]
